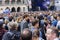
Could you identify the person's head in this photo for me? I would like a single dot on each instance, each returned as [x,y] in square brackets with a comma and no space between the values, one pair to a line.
[7,8]
[26,17]
[6,21]
[51,33]
[58,17]
[13,25]
[26,34]
[10,17]
[31,18]
[1,24]
[19,19]
[55,16]
[35,23]
[40,17]
[35,35]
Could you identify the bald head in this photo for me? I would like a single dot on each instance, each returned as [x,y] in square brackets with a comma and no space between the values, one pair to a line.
[26,34]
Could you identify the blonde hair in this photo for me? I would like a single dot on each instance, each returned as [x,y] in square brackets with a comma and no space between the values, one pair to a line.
[13,25]
[6,21]
[19,19]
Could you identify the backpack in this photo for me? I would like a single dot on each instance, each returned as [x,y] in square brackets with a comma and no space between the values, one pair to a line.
[13,36]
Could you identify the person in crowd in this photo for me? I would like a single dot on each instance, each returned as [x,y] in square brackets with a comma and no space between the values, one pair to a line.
[6,11]
[19,19]
[34,21]
[35,25]
[2,30]
[47,23]
[36,36]
[41,26]
[52,34]
[54,22]
[10,17]
[24,23]
[5,16]
[1,17]
[5,25]
[26,34]
[12,34]
[58,23]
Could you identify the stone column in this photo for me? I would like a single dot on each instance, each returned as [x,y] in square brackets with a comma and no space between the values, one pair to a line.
[15,1]
[26,1]
[3,2]
[10,2]
[21,1]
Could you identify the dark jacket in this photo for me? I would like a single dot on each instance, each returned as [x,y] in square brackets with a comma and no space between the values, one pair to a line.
[8,35]
[2,31]
[24,24]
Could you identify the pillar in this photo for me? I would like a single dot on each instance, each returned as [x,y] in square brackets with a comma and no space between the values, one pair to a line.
[10,2]
[21,1]
[3,2]
[26,1]
[15,1]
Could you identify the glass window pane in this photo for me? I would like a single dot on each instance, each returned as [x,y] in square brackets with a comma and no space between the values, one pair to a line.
[0,1]
[13,1]
[7,1]
[18,1]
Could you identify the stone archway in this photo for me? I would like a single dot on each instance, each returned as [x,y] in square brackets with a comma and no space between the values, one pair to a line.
[13,9]
[18,9]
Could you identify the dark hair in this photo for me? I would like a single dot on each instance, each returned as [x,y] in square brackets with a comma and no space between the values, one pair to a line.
[27,35]
[55,17]
[10,18]
[25,16]
[35,22]
[40,17]
[1,24]
[59,15]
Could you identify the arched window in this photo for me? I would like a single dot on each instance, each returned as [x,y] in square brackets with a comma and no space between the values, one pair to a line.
[18,9]
[13,9]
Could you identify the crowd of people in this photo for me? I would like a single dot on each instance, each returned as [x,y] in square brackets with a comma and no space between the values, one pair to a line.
[42,25]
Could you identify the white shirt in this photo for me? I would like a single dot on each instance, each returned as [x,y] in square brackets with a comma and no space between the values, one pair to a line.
[56,39]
